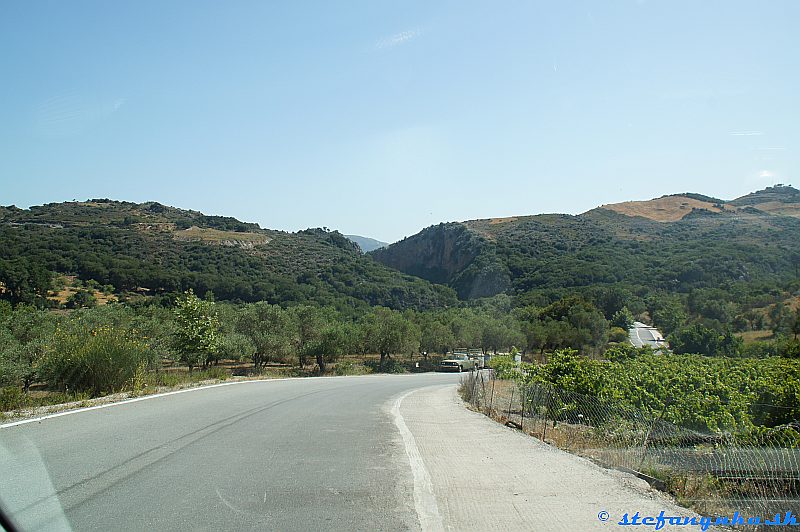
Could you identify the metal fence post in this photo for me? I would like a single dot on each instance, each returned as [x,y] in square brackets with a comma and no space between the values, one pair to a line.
[491,396]
[474,382]
[650,431]
[483,391]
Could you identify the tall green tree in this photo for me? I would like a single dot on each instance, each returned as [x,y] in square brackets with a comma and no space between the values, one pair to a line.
[197,333]
[699,339]
[782,319]
[796,324]
[271,331]
[668,314]
[435,336]
[388,332]
[334,340]
[623,319]
[500,334]
[24,339]
[307,325]
[24,281]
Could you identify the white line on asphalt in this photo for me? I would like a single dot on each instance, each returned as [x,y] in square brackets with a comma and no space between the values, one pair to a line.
[638,337]
[126,401]
[424,499]
[164,394]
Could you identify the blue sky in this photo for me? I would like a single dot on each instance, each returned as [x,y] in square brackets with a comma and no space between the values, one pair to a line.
[381,118]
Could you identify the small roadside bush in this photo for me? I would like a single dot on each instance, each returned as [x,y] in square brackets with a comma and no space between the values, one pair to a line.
[348,367]
[617,335]
[14,398]
[11,398]
[390,365]
[210,374]
[504,367]
[97,361]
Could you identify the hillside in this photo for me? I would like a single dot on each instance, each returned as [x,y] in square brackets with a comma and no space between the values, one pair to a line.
[153,249]
[367,244]
[667,245]
[779,199]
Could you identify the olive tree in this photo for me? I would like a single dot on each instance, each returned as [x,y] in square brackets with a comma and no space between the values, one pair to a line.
[269,328]
[334,340]
[388,332]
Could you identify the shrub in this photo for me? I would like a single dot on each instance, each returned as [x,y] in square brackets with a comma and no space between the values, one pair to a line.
[618,335]
[348,367]
[82,299]
[504,367]
[11,398]
[210,374]
[390,365]
[94,360]
[163,378]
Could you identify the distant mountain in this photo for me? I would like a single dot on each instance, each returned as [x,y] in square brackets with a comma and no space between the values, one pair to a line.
[779,199]
[367,244]
[155,249]
[672,244]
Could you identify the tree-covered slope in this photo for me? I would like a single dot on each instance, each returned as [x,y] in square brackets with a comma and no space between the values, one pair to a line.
[744,243]
[153,248]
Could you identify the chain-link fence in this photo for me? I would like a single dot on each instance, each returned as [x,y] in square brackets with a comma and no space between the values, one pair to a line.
[756,473]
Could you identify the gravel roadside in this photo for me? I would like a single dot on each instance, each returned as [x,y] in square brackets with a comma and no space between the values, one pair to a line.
[485,476]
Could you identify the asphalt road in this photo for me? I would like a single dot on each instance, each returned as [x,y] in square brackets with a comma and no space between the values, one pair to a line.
[305,454]
[345,453]
[643,335]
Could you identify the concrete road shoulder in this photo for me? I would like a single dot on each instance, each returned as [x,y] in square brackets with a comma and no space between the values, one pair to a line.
[485,476]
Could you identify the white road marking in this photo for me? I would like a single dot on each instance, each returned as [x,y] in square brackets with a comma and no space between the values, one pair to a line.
[126,401]
[164,394]
[424,499]
[639,337]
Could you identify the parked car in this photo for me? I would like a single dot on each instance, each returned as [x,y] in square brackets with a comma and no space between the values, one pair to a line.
[459,363]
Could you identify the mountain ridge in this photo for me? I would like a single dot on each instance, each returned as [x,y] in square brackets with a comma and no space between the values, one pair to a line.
[157,249]
[674,237]
[366,243]
[779,199]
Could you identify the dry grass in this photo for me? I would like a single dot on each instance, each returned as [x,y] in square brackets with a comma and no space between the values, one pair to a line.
[155,227]
[674,208]
[778,207]
[495,221]
[793,302]
[749,337]
[215,236]
[67,290]
[670,209]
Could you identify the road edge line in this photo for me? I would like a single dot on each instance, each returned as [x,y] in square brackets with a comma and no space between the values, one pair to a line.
[424,499]
[183,390]
[131,400]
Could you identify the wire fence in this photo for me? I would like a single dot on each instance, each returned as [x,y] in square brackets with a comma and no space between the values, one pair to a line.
[755,473]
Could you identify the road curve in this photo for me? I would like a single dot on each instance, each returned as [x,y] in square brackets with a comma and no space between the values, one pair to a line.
[378,452]
[299,454]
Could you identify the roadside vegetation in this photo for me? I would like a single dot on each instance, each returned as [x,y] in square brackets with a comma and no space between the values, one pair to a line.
[702,393]
[103,296]
[718,433]
[50,356]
